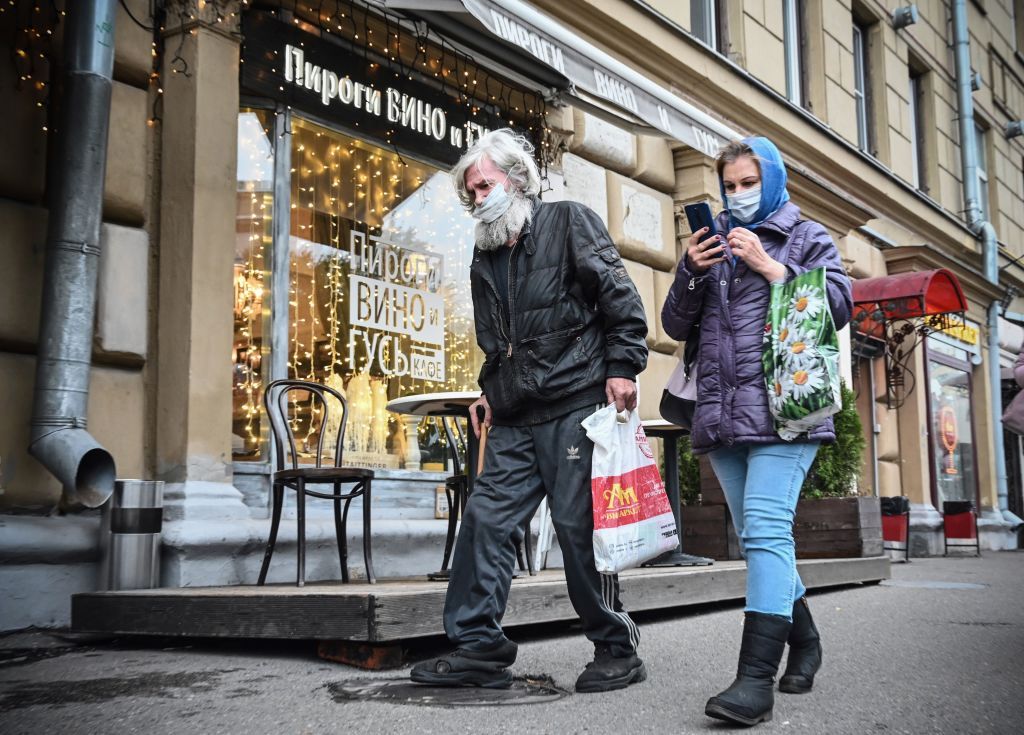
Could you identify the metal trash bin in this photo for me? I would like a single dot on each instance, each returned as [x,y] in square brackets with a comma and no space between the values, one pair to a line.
[130,535]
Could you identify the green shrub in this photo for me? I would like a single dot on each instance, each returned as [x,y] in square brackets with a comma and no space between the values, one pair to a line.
[837,467]
[689,473]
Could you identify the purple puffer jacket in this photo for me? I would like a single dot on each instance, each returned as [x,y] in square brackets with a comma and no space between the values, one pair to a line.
[730,306]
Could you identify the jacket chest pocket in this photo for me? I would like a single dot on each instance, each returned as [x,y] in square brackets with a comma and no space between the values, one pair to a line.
[554,362]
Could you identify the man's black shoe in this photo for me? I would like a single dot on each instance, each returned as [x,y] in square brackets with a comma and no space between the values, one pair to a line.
[607,672]
[465,668]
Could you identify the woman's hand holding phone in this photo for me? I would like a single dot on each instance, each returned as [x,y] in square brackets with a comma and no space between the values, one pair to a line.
[702,254]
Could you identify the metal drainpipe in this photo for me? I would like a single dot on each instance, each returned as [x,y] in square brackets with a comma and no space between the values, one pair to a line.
[984,231]
[59,439]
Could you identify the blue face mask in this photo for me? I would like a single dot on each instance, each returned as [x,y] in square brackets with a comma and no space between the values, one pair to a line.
[744,206]
[495,204]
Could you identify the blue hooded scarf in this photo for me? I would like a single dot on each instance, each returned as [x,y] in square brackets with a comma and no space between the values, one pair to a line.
[773,182]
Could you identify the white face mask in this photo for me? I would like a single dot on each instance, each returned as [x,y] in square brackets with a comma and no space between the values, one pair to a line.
[495,204]
[744,206]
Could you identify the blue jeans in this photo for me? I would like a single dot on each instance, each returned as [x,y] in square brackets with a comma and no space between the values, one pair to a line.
[762,484]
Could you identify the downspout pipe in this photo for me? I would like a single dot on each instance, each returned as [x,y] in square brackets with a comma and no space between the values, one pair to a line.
[986,233]
[59,439]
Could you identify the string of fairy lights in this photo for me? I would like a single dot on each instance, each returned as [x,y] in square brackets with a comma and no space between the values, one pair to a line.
[339,186]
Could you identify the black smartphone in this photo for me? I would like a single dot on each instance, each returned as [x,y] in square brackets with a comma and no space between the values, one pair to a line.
[699,215]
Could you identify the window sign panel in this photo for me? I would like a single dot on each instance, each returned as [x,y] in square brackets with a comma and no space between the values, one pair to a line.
[380,302]
[952,432]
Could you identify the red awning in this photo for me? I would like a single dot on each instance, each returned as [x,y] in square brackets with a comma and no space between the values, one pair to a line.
[905,296]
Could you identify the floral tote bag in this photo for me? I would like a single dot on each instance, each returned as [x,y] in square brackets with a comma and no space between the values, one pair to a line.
[800,355]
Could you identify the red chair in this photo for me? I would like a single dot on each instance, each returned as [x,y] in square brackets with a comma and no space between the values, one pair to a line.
[896,525]
[960,523]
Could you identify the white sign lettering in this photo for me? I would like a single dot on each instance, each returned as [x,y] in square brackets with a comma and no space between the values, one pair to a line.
[515,33]
[396,309]
[398,107]
[706,141]
[618,92]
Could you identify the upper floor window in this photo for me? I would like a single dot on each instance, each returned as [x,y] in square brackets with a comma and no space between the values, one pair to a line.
[793,39]
[1018,26]
[708,23]
[861,72]
[917,131]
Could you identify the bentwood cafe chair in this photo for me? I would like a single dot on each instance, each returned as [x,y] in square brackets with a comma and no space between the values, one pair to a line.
[316,409]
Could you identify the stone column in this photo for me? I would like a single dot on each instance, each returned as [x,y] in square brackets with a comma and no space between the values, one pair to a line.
[915,463]
[197,233]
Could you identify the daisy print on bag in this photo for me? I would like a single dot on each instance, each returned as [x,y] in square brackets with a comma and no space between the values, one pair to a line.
[778,394]
[805,381]
[807,303]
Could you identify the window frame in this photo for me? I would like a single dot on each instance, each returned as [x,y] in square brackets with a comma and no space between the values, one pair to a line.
[712,20]
[918,145]
[793,40]
[862,85]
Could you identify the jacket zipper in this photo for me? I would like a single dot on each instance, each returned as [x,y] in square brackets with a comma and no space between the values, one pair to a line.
[511,296]
[497,301]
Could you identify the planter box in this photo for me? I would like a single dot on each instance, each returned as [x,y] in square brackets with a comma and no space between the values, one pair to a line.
[838,527]
[706,531]
[711,492]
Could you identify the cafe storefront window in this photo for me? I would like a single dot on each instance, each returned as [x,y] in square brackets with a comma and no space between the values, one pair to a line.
[952,436]
[379,299]
[352,250]
[253,221]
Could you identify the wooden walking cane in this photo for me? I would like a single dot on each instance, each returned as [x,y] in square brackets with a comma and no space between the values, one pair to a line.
[480,450]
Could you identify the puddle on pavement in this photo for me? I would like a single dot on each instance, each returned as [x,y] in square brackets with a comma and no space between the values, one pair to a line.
[925,584]
[91,691]
[524,690]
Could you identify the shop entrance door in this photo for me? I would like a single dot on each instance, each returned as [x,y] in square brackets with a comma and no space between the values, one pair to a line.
[951,419]
[1012,449]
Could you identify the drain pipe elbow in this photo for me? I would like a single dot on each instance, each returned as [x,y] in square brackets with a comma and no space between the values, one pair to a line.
[85,469]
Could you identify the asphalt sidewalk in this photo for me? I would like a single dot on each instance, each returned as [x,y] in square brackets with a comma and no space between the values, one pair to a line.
[937,649]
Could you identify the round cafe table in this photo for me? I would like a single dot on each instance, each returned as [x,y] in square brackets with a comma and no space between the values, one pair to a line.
[669,433]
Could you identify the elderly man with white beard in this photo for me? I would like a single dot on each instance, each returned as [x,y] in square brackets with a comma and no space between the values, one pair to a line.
[563,333]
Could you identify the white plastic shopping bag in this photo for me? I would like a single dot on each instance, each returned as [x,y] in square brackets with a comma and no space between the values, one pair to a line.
[633,521]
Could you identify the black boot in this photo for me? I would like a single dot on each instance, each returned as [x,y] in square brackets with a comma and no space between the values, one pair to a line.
[607,672]
[466,668]
[804,651]
[751,697]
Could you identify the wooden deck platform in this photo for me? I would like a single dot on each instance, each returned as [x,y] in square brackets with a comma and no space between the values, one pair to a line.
[395,610]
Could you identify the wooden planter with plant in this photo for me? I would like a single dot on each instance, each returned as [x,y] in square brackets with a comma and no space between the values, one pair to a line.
[831,519]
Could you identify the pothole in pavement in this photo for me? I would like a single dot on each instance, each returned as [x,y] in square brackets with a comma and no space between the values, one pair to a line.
[524,690]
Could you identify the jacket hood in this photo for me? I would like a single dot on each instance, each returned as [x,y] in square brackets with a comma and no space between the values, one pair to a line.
[773,181]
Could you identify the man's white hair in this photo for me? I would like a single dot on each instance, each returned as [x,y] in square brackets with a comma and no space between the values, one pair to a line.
[511,152]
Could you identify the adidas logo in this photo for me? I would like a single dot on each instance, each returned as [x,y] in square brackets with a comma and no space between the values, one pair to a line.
[572,453]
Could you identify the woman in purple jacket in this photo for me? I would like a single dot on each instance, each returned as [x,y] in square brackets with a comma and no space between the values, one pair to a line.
[720,297]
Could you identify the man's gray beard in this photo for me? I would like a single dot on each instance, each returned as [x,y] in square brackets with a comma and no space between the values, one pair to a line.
[507,227]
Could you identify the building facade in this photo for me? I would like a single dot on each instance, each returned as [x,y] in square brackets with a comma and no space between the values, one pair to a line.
[277,204]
